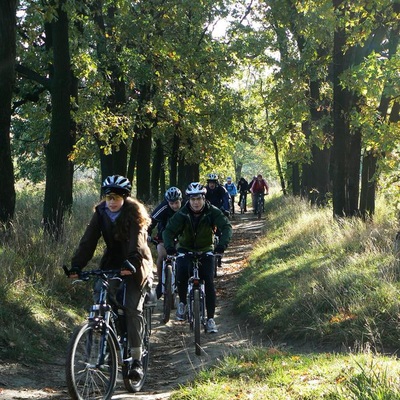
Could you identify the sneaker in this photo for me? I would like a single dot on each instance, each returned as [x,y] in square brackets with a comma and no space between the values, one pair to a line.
[136,371]
[211,327]
[159,290]
[181,312]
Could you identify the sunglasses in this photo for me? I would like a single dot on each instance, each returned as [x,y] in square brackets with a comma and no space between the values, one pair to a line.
[113,196]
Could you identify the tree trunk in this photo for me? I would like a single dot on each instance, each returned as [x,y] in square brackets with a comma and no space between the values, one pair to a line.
[133,159]
[7,76]
[173,160]
[339,124]
[156,171]
[279,167]
[58,193]
[143,170]
[295,178]
[353,173]
[368,186]
[370,160]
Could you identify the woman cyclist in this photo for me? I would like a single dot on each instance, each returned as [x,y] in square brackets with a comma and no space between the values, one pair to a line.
[123,223]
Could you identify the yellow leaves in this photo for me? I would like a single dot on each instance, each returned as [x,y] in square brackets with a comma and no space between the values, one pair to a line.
[341,316]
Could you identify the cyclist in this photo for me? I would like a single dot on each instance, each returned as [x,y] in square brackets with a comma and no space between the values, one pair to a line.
[258,187]
[243,189]
[217,195]
[123,223]
[159,217]
[194,224]
[232,190]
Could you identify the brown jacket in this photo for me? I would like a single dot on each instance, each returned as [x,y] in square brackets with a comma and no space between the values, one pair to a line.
[134,248]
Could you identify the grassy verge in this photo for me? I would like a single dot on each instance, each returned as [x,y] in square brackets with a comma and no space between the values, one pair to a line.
[270,374]
[38,305]
[321,283]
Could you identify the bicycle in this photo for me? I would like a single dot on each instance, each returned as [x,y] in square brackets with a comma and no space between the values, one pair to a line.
[242,204]
[98,349]
[259,205]
[231,208]
[196,299]
[218,257]
[170,290]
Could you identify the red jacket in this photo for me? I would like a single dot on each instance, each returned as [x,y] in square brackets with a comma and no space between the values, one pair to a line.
[259,186]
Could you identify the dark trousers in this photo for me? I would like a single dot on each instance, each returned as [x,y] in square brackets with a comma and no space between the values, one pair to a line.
[184,270]
[243,194]
[133,303]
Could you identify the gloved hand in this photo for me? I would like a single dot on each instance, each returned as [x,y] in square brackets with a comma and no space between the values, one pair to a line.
[219,249]
[171,251]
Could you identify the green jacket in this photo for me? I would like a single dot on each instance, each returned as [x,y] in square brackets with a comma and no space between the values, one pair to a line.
[197,235]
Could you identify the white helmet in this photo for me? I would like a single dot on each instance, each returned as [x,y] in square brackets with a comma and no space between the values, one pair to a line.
[195,189]
[173,194]
[116,184]
[212,178]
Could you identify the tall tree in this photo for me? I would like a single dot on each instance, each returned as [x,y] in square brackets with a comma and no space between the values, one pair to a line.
[7,75]
[58,193]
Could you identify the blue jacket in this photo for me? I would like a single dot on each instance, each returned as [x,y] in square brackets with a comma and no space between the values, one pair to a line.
[231,188]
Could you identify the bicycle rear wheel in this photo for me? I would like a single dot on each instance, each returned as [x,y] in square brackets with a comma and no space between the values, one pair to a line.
[134,386]
[168,294]
[86,378]
[242,204]
[196,320]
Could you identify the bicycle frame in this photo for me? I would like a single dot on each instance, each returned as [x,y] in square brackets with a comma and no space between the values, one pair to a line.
[99,347]
[259,204]
[196,299]
[169,287]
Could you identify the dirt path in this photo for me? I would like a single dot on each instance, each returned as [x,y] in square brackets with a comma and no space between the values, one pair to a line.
[173,361]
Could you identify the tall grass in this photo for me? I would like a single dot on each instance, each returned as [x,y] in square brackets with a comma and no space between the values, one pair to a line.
[35,296]
[312,278]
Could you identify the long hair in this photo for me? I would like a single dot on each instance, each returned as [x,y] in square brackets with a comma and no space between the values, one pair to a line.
[133,211]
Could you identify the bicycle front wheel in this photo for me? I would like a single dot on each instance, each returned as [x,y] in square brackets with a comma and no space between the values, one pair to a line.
[168,294]
[89,374]
[259,208]
[196,320]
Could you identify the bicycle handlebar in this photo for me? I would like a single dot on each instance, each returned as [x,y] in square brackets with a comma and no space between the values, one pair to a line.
[195,253]
[84,275]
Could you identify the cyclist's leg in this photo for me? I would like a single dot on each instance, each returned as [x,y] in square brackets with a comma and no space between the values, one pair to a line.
[134,301]
[233,204]
[206,273]
[182,276]
[161,254]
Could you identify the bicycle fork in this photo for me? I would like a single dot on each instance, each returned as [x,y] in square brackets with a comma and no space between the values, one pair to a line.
[195,284]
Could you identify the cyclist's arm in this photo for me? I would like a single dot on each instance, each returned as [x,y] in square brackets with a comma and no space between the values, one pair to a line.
[171,231]
[88,243]
[225,200]
[223,224]
[266,186]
